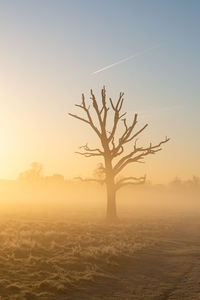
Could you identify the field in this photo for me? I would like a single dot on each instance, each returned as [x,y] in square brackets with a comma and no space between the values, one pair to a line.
[153,253]
[149,259]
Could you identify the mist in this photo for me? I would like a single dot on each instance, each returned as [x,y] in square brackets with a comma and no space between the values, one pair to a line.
[56,243]
[75,200]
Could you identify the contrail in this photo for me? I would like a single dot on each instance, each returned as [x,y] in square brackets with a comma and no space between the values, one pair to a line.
[125,59]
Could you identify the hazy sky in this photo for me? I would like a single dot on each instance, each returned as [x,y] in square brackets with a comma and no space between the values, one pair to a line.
[50,51]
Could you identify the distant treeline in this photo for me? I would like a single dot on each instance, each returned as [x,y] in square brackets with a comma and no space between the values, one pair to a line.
[34,174]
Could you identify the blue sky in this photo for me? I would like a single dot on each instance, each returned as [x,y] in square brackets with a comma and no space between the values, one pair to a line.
[49,51]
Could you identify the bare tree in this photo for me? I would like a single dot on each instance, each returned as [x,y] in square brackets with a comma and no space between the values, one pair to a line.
[113,144]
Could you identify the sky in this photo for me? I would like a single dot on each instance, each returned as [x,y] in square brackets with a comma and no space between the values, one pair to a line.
[52,51]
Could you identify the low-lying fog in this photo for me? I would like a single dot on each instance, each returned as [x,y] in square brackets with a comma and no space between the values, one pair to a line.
[74,200]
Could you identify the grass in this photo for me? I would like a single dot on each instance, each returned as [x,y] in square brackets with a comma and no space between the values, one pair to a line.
[43,259]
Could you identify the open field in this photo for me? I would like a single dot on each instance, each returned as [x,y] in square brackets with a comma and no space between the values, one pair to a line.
[138,259]
[55,245]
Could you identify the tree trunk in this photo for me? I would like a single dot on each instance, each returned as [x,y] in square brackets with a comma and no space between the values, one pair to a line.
[111,214]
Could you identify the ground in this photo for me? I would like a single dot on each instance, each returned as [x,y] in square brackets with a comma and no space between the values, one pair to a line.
[140,258]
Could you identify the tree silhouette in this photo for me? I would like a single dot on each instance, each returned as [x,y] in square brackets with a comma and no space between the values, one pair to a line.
[33,174]
[113,145]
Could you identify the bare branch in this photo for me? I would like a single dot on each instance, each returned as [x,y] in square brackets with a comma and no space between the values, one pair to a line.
[112,105]
[123,139]
[89,121]
[122,115]
[136,134]
[125,124]
[97,110]
[124,161]
[135,179]
[77,117]
[130,181]
[128,130]
[117,108]
[86,148]
[120,151]
[88,152]
[101,181]
[104,107]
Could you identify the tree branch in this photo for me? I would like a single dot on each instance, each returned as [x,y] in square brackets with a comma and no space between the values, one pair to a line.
[90,151]
[127,133]
[117,108]
[88,154]
[101,181]
[104,107]
[124,161]
[89,121]
[79,118]
[97,110]
[130,181]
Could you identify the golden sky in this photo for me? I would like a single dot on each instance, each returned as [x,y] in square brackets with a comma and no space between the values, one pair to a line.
[50,54]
